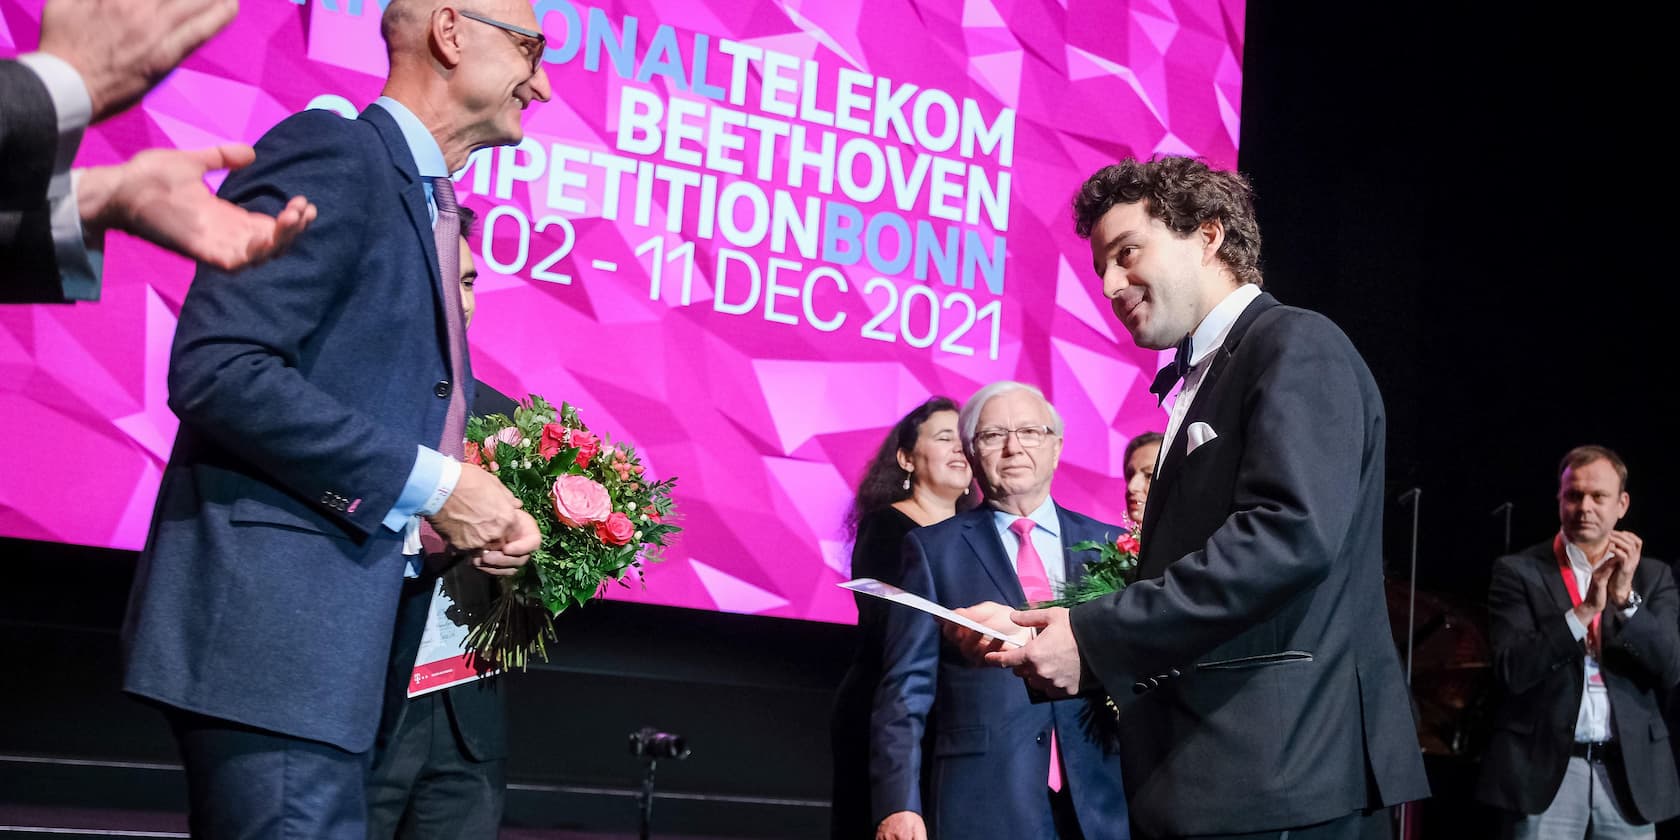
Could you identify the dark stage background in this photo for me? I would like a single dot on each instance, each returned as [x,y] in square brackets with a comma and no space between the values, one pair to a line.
[1451,183]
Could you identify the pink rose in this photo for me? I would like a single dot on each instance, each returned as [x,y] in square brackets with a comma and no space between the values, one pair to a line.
[553,440]
[510,436]
[578,500]
[471,453]
[615,530]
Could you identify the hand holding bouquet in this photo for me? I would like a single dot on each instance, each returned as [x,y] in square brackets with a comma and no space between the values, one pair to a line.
[599,515]
[1114,568]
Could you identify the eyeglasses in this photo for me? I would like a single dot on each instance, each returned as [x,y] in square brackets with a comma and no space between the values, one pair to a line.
[1030,437]
[531,43]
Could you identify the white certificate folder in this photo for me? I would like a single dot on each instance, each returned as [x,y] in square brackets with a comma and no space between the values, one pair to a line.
[888,592]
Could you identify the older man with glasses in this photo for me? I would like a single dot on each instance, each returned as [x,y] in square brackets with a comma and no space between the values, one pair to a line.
[322,398]
[1000,764]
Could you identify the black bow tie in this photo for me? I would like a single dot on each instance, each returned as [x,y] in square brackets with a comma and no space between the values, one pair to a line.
[1170,374]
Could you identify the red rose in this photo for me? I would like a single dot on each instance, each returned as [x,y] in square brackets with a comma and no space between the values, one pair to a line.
[652,513]
[471,452]
[615,530]
[552,441]
[587,445]
[1128,543]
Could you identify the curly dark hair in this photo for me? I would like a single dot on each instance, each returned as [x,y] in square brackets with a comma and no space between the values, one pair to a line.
[1182,192]
[883,479]
[468,217]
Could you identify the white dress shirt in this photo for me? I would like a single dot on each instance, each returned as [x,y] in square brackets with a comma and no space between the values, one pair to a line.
[1592,723]
[1209,336]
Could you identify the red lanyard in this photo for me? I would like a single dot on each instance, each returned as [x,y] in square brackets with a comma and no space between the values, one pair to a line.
[1574,588]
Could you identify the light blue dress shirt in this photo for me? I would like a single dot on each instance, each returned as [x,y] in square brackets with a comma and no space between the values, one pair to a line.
[1046,538]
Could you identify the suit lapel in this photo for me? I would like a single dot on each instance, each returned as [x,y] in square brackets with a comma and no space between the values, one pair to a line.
[419,216]
[1172,463]
[983,538]
[1551,578]
[1073,562]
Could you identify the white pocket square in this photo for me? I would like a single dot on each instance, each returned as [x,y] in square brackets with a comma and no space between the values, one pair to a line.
[1199,433]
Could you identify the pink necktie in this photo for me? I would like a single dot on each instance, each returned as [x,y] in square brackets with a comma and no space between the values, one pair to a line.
[1036,584]
[447,232]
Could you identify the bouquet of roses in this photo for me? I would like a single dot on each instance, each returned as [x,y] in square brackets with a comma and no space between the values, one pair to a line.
[599,515]
[1114,568]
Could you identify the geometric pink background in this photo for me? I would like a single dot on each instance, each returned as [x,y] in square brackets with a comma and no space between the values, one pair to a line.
[766,424]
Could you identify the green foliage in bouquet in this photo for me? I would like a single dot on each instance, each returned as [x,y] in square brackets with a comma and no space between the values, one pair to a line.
[599,515]
[1114,568]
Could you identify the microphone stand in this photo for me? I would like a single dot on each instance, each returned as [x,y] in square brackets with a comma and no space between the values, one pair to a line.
[1413,498]
[1505,509]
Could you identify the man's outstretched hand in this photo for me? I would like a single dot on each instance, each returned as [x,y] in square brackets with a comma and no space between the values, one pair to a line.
[160,196]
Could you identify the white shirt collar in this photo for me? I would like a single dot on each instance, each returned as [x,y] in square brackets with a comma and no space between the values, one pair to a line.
[1578,558]
[428,155]
[1043,516]
[1211,332]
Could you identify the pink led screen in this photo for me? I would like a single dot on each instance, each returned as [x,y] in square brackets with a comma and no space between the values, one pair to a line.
[746,236]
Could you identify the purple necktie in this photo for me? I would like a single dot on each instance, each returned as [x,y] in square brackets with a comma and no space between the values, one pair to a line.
[1036,584]
[447,231]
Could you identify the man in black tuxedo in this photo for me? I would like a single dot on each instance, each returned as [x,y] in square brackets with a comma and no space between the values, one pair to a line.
[439,763]
[1260,693]
[97,58]
[1586,641]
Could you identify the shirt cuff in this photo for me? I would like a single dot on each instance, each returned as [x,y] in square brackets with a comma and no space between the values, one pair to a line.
[1576,628]
[1628,613]
[79,267]
[71,103]
[429,484]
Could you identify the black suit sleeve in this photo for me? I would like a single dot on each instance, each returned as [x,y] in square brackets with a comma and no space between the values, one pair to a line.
[488,400]
[910,664]
[28,145]
[1526,649]
[1647,645]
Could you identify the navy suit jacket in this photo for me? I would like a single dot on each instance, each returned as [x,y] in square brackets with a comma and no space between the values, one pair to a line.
[267,591]
[1258,683]
[991,745]
[28,145]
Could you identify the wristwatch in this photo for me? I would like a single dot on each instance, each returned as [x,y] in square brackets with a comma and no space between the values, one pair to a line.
[1634,600]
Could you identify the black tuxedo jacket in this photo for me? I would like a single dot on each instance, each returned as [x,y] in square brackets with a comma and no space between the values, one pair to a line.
[1253,663]
[1541,669]
[28,145]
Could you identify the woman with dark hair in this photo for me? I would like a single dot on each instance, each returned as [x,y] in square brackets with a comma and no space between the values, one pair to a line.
[918,477]
[1139,465]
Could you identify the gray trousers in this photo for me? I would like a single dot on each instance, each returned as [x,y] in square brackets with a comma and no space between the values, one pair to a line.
[1592,802]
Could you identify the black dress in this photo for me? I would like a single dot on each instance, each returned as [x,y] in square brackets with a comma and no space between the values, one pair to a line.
[877,553]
